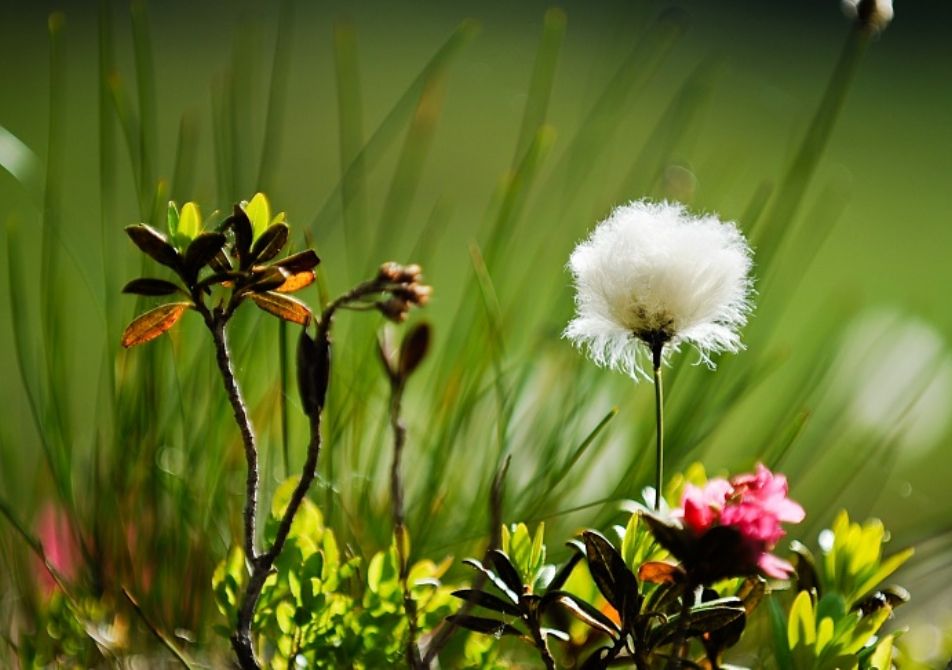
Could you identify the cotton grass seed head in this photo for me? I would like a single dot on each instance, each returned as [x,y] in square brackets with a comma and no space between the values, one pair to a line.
[873,15]
[652,276]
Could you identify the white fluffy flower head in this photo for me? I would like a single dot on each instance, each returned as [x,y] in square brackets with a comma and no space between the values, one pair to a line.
[652,276]
[875,14]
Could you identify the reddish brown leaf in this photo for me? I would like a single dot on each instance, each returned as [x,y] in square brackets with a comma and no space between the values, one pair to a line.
[283,307]
[659,572]
[153,323]
[296,282]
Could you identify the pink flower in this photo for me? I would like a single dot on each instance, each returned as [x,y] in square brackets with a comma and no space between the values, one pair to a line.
[754,505]
[55,533]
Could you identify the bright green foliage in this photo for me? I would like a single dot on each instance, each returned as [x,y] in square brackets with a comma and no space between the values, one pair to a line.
[638,545]
[258,210]
[825,635]
[855,565]
[323,607]
[64,634]
[835,624]
[527,553]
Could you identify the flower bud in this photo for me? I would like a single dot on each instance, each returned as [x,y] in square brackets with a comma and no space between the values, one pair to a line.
[411,273]
[395,309]
[390,272]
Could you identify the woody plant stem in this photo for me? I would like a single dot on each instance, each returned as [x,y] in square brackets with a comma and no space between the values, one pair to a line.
[261,564]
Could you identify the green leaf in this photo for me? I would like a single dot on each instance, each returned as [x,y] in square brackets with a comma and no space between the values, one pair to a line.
[488,601]
[704,618]
[494,578]
[506,571]
[151,287]
[267,279]
[566,570]
[270,243]
[154,244]
[240,225]
[886,568]
[778,628]
[882,656]
[299,262]
[173,219]
[612,576]
[151,324]
[190,221]
[588,614]
[801,626]
[201,251]
[483,625]
[537,553]
[259,213]
[284,614]
[868,626]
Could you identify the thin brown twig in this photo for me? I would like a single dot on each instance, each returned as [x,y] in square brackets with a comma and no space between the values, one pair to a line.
[262,564]
[156,631]
[414,661]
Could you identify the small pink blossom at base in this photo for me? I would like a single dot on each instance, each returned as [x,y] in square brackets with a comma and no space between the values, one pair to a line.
[59,544]
[755,505]
[774,566]
[702,505]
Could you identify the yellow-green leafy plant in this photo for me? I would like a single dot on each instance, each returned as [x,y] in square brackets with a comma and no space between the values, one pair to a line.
[836,619]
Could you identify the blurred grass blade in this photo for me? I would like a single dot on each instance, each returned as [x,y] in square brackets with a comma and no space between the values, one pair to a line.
[148,105]
[163,637]
[129,123]
[596,131]
[516,192]
[351,136]
[540,85]
[55,353]
[223,134]
[387,131]
[674,125]
[797,178]
[28,364]
[237,99]
[277,98]
[186,156]
[409,169]
[20,161]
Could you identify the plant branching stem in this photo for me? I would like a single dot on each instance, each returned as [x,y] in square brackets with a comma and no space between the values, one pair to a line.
[541,645]
[414,661]
[216,324]
[680,635]
[656,351]
[262,564]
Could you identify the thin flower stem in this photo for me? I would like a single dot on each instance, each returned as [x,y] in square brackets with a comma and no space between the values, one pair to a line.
[659,423]
[414,660]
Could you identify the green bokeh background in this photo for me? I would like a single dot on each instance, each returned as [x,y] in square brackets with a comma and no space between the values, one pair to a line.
[884,185]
